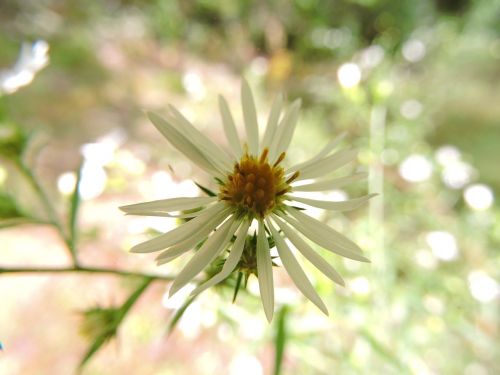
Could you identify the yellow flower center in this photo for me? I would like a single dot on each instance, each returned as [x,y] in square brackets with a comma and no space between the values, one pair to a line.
[255,187]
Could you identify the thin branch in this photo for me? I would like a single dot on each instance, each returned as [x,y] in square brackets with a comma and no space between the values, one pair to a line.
[51,212]
[82,269]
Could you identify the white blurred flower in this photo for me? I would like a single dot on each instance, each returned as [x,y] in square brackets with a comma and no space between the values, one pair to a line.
[425,259]
[194,85]
[349,75]
[411,109]
[372,56]
[66,183]
[190,323]
[259,66]
[434,304]
[98,153]
[360,285]
[446,155]
[32,58]
[457,175]
[443,245]
[483,287]
[245,364]
[178,300]
[479,197]
[413,50]
[93,180]
[475,368]
[416,168]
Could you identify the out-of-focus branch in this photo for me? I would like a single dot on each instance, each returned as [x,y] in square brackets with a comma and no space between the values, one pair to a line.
[51,212]
[82,269]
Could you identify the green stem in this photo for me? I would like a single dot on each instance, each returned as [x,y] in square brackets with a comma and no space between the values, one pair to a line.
[84,270]
[51,212]
[280,340]
[22,220]
[132,299]
[112,328]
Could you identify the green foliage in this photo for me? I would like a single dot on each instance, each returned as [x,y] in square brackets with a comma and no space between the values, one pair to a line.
[13,140]
[237,287]
[73,214]
[207,191]
[178,314]
[101,324]
[9,208]
[280,338]
[99,321]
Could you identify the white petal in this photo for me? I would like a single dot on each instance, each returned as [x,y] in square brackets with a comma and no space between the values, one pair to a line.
[210,149]
[190,243]
[295,271]
[323,153]
[231,261]
[265,272]
[331,145]
[165,214]
[168,205]
[230,128]
[182,232]
[311,255]
[347,205]
[205,255]
[323,235]
[332,183]
[328,164]
[272,122]
[177,250]
[184,145]
[250,117]
[321,228]
[284,133]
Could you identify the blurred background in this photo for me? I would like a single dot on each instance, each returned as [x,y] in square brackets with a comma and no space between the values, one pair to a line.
[413,83]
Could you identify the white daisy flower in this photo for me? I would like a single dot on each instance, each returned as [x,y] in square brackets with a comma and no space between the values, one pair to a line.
[254,185]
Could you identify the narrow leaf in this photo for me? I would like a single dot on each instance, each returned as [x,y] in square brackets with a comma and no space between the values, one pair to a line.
[73,213]
[179,313]
[96,345]
[121,313]
[237,287]
[280,338]
[207,191]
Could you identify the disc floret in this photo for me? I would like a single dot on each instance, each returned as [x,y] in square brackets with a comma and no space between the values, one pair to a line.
[255,187]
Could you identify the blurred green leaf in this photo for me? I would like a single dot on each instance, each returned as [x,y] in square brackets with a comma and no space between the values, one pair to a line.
[178,314]
[382,350]
[96,345]
[280,338]
[99,321]
[73,213]
[102,324]
[9,208]
[19,221]
[13,140]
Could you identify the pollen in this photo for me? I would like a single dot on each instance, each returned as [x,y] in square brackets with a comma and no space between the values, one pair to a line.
[255,186]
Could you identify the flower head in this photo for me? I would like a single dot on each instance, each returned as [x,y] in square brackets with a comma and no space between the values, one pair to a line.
[254,184]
